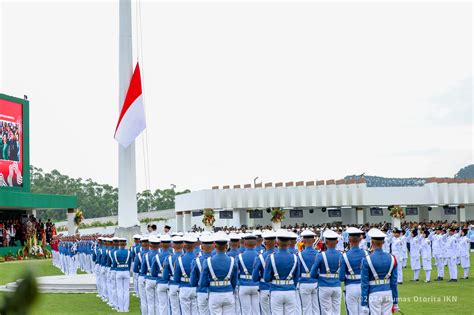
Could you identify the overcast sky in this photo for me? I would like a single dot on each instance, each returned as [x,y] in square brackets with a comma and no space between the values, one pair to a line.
[283,91]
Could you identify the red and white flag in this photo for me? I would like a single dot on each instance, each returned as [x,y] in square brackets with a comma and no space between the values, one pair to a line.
[132,117]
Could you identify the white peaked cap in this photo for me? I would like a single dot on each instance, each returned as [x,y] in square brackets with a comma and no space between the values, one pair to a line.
[144,238]
[282,233]
[235,236]
[136,236]
[376,233]
[307,233]
[165,238]
[154,239]
[268,234]
[206,239]
[177,238]
[115,238]
[329,234]
[123,239]
[221,237]
[205,233]
[257,233]
[190,238]
[354,230]
[292,235]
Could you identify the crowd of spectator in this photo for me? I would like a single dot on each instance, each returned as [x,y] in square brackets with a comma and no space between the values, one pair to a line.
[15,231]
[10,141]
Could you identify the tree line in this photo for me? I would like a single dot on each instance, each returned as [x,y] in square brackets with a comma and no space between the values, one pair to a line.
[94,199]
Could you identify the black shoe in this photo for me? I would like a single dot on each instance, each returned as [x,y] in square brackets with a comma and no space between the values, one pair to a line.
[400,283]
[439,279]
[455,280]
[417,279]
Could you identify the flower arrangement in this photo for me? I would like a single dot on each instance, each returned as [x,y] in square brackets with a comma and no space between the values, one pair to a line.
[78,217]
[208,217]
[397,212]
[278,214]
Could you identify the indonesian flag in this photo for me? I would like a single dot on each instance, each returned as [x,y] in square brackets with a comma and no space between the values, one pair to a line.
[132,118]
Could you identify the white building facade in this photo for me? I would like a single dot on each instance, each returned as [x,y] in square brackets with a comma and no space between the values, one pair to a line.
[319,202]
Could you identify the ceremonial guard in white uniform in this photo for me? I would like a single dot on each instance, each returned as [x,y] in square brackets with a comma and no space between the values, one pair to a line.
[326,269]
[157,268]
[122,263]
[464,247]
[141,276]
[168,274]
[451,253]
[134,250]
[426,254]
[437,239]
[398,242]
[248,289]
[379,293]
[258,269]
[207,245]
[415,247]
[282,273]
[308,287]
[150,279]
[182,274]
[219,274]
[350,272]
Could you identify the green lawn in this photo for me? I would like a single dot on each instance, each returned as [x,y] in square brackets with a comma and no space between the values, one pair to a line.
[416,298]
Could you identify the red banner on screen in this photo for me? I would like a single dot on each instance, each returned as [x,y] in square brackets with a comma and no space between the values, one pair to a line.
[11,144]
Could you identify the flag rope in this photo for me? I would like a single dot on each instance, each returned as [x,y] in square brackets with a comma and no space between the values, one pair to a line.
[140,59]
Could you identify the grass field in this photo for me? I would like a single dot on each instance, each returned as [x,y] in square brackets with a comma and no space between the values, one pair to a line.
[415,297]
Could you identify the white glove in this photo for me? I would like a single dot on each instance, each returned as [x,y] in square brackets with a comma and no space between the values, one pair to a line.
[395,308]
[365,310]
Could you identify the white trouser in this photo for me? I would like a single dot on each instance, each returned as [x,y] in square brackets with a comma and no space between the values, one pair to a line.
[173,294]
[103,282]
[440,265]
[187,299]
[113,281]
[162,297]
[352,299]
[465,262]
[98,283]
[221,303]
[309,298]
[297,301]
[415,262]
[135,283]
[150,288]
[203,303]
[398,257]
[282,302]
[249,301]
[453,268]
[142,289]
[381,303]
[330,300]
[123,289]
[265,302]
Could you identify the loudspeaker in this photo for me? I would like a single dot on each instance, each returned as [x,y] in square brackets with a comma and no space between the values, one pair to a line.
[323,209]
[269,210]
[429,208]
[311,210]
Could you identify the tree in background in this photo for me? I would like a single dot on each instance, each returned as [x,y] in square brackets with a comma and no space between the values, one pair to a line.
[466,172]
[95,200]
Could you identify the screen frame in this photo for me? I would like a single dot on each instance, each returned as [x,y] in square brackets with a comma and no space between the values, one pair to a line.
[25,106]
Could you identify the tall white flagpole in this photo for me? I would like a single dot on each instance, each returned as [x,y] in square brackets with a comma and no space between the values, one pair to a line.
[127,188]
